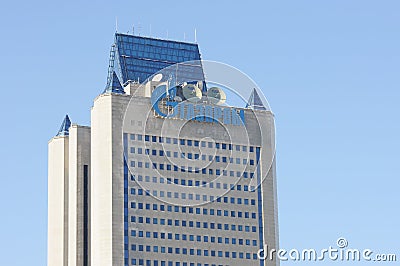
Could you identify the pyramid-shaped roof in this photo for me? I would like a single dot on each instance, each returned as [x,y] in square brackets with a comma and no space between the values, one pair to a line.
[255,101]
[114,85]
[64,129]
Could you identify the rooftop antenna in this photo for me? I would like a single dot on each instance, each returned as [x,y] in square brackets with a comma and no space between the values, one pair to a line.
[133,29]
[139,28]
[195,35]
[116,24]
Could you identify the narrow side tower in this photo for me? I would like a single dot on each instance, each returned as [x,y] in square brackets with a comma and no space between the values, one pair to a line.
[58,173]
[69,196]
[79,196]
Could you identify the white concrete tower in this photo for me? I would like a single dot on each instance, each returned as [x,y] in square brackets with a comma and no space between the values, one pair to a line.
[58,169]
[79,196]
[107,186]
[69,196]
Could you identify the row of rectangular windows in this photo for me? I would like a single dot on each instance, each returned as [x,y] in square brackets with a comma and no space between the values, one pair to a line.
[157,54]
[231,200]
[137,65]
[171,263]
[197,252]
[200,211]
[193,156]
[193,224]
[126,40]
[191,183]
[189,169]
[192,251]
[135,57]
[195,143]
[128,48]
[193,238]
[155,47]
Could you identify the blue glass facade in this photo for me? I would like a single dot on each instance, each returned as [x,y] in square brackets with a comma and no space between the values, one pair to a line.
[137,58]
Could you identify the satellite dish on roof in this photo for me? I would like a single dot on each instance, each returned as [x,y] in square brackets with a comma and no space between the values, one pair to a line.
[191,93]
[216,95]
[157,78]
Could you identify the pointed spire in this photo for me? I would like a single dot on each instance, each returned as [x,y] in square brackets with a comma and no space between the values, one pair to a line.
[114,85]
[255,101]
[64,129]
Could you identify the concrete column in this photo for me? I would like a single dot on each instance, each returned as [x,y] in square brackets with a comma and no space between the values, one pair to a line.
[57,254]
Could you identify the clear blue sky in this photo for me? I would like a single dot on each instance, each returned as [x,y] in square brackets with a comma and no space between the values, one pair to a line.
[330,70]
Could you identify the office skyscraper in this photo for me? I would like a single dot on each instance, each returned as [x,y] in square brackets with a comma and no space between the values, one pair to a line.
[166,174]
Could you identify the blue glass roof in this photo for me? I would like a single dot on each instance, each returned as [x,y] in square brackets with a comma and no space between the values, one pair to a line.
[114,85]
[137,58]
[64,129]
[255,101]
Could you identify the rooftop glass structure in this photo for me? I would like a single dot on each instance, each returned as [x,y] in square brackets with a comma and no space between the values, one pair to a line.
[64,129]
[136,58]
[255,101]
